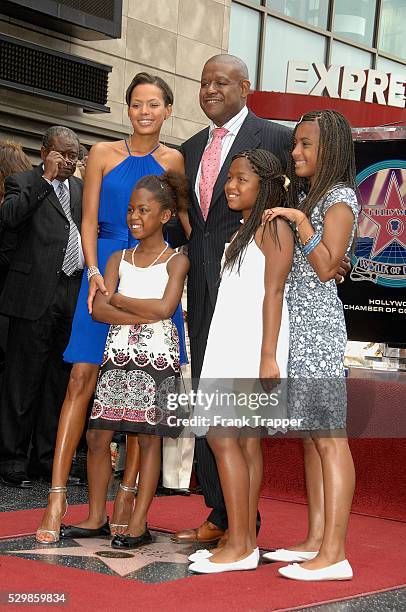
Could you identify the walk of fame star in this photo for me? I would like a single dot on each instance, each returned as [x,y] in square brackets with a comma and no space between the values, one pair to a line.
[389,227]
[93,551]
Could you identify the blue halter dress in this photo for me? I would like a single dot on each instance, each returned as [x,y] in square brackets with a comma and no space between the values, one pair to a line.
[88,337]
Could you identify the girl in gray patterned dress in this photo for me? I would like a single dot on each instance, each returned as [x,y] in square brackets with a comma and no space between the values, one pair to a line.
[325,222]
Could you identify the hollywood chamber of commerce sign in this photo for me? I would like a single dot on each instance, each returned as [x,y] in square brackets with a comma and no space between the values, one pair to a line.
[374,294]
[380,256]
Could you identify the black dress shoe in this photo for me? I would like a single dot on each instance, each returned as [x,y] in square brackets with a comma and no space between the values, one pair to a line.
[76,481]
[36,471]
[126,541]
[71,531]
[162,491]
[19,480]
[185,492]
[40,476]
[258,523]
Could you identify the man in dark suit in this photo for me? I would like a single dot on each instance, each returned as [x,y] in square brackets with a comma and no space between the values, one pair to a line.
[43,207]
[223,95]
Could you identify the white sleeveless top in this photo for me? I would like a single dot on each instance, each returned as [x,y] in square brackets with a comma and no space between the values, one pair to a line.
[143,283]
[235,338]
[233,353]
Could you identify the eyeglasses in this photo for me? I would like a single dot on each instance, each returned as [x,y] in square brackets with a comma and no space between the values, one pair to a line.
[72,157]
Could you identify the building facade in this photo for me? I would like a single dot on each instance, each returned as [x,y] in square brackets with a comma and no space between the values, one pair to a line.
[83,60]
[367,34]
[354,52]
[171,38]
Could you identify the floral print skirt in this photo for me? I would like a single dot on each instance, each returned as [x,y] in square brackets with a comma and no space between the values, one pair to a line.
[138,380]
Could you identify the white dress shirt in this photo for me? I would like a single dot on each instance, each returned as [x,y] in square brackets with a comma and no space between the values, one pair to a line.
[233,126]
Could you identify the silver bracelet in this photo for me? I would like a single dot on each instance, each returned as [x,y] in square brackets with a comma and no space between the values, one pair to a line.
[92,271]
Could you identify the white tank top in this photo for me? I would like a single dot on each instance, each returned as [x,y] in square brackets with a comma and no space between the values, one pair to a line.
[143,283]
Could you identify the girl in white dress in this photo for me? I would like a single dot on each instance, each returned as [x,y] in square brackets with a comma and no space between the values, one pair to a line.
[249,339]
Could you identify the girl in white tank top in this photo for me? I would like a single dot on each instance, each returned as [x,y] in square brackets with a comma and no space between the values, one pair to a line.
[140,364]
[249,340]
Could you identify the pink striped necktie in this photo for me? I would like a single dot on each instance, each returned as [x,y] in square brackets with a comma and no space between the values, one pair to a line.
[209,169]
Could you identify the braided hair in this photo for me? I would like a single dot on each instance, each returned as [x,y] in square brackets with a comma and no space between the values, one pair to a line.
[271,193]
[171,190]
[335,160]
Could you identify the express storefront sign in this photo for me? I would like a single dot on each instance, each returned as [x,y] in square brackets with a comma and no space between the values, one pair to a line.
[366,97]
[347,83]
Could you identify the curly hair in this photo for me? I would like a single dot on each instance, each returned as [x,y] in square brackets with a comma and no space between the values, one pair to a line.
[271,193]
[170,189]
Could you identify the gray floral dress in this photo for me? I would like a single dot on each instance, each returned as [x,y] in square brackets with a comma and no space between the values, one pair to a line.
[317,393]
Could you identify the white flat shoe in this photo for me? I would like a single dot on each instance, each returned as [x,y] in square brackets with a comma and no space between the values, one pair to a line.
[338,571]
[289,556]
[203,553]
[205,566]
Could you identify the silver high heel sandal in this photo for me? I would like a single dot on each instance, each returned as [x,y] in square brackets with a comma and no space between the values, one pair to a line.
[54,534]
[115,526]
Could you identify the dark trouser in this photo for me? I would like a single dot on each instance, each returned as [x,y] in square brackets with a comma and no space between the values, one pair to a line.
[206,467]
[35,381]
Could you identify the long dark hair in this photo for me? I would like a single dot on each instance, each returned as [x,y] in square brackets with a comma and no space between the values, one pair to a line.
[271,193]
[335,160]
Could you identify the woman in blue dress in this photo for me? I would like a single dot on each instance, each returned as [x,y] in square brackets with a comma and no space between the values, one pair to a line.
[112,170]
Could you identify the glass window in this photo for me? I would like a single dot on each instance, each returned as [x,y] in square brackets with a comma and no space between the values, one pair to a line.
[355,20]
[388,66]
[244,37]
[345,55]
[392,38]
[314,12]
[285,42]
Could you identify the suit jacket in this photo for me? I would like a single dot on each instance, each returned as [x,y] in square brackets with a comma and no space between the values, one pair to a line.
[206,244]
[8,243]
[32,210]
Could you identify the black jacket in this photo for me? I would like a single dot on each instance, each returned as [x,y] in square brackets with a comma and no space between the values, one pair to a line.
[206,244]
[32,210]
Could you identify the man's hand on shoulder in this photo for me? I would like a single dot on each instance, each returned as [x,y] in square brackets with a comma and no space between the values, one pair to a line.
[345,267]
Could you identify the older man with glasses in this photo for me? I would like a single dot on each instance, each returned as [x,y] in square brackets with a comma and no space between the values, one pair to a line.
[43,207]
